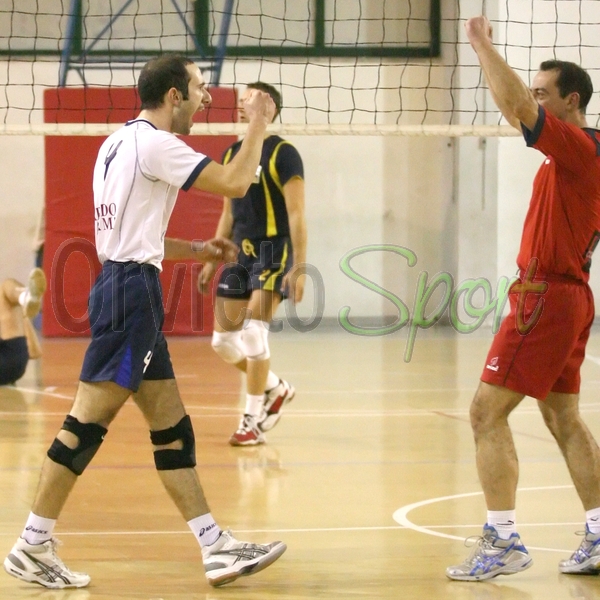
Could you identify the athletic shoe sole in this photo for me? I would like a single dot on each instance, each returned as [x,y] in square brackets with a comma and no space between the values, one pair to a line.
[251,442]
[13,570]
[261,563]
[36,286]
[588,567]
[483,576]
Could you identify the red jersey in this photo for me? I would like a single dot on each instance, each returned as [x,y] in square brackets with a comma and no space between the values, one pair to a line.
[562,226]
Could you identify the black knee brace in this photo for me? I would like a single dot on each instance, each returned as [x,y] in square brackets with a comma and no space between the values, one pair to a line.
[77,459]
[185,458]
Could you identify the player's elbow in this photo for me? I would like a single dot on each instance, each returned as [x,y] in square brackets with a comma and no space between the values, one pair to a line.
[526,112]
[237,181]
[227,180]
[237,189]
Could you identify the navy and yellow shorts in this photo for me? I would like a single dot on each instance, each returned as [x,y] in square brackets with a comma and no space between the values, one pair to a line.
[262,264]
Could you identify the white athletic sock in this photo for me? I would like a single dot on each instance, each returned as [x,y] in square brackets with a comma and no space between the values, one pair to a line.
[592,518]
[254,404]
[205,530]
[503,521]
[38,529]
[272,381]
[24,297]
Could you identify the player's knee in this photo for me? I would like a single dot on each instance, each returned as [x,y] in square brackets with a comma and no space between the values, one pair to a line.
[168,459]
[228,345]
[255,340]
[487,416]
[89,435]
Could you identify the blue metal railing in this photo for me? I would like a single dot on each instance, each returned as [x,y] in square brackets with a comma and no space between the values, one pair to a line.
[82,54]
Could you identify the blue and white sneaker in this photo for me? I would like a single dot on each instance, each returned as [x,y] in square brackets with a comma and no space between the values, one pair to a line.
[492,556]
[586,559]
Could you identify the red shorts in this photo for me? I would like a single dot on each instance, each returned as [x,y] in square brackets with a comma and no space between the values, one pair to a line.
[546,357]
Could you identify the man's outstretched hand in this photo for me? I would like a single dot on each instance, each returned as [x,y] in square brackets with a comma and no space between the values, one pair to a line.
[216,250]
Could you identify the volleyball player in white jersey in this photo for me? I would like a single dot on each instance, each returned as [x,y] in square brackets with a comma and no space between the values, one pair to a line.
[138,173]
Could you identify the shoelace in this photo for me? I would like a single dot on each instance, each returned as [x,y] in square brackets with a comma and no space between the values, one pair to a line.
[54,544]
[472,539]
[482,540]
[586,545]
[479,544]
[247,424]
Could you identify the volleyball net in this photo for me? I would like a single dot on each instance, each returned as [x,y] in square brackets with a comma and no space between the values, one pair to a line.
[384,67]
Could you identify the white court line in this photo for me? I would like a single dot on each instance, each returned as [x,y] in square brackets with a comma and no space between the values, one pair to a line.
[401,515]
[50,391]
[294,530]
[225,412]
[46,392]
[244,531]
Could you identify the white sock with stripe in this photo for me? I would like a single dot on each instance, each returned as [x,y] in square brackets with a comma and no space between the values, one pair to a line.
[592,518]
[503,521]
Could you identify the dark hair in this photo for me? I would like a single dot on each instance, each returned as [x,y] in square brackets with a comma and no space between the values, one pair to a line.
[571,78]
[269,89]
[161,74]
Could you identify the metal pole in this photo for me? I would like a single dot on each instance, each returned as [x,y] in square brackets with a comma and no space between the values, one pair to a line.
[189,31]
[222,45]
[65,56]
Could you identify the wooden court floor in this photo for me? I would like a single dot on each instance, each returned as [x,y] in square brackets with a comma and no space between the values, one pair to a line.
[369,477]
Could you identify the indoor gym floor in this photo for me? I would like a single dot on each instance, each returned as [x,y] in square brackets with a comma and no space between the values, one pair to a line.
[369,477]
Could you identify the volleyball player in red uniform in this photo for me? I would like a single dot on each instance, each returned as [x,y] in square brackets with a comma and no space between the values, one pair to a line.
[540,346]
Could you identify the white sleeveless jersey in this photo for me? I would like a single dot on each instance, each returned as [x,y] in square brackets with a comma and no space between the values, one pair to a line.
[138,173]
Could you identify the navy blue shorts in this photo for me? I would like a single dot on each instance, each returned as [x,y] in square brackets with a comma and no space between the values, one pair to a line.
[262,264]
[126,318]
[14,357]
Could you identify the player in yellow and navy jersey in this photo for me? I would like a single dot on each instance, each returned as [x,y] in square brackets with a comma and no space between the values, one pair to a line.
[269,226]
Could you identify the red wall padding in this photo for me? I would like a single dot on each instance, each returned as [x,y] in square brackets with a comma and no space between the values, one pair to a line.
[70,259]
